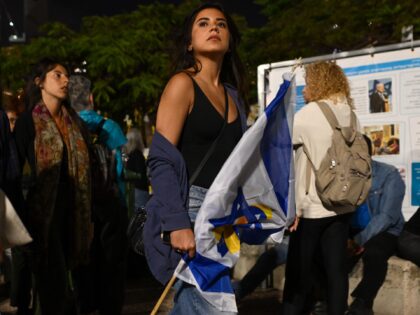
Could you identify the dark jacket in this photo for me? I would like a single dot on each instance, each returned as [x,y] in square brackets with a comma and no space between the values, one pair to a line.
[377,103]
[9,164]
[167,209]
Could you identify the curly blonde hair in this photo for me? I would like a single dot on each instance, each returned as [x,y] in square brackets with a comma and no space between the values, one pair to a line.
[325,79]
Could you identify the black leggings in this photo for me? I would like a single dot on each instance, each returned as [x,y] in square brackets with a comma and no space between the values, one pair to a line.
[409,247]
[375,257]
[324,242]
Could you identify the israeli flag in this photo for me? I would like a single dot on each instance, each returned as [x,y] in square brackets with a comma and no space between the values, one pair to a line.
[251,198]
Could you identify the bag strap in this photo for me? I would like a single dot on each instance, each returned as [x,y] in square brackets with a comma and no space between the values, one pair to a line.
[329,114]
[332,119]
[353,119]
[213,145]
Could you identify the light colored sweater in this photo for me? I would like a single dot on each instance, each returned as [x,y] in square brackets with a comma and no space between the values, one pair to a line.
[311,128]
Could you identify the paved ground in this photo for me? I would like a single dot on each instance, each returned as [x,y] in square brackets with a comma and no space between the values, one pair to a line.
[143,292]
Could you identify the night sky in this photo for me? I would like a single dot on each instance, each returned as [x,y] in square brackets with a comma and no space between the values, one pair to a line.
[71,12]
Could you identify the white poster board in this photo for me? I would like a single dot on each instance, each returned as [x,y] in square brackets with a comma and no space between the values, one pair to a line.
[395,131]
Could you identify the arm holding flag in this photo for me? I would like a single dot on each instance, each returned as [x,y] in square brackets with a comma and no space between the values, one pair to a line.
[175,104]
[167,208]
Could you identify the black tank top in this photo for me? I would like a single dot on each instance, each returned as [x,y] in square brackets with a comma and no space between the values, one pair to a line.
[201,128]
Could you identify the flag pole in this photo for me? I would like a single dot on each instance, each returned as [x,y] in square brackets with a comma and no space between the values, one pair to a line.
[163,295]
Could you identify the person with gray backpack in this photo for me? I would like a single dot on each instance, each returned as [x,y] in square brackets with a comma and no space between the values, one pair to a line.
[333,177]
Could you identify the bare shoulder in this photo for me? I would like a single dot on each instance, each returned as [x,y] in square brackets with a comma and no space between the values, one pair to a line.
[178,93]
[180,85]
[174,106]
[182,79]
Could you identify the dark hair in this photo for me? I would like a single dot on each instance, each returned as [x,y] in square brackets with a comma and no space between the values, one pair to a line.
[32,93]
[232,68]
[369,144]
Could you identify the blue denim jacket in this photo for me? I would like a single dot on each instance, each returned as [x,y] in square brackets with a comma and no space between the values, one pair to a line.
[167,208]
[385,202]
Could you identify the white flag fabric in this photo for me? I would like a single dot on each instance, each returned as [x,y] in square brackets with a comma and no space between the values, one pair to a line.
[251,198]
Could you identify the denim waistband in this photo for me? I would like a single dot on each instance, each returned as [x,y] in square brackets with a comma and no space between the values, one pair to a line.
[195,199]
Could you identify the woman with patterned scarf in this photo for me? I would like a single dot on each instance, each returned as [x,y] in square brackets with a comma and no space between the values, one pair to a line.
[51,145]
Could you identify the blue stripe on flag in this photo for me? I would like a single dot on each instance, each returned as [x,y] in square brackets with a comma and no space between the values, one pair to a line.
[210,275]
[251,232]
[276,146]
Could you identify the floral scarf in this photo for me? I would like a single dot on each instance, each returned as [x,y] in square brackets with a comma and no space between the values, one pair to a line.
[49,148]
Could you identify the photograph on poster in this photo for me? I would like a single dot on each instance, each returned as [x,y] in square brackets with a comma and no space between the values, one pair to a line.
[385,139]
[380,95]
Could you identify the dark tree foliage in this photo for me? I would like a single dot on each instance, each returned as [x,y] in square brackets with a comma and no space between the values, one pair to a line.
[128,55]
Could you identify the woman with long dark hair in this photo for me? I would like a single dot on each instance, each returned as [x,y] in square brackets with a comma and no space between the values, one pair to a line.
[51,142]
[199,109]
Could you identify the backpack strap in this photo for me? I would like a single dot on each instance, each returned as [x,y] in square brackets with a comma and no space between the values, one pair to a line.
[332,119]
[353,120]
[309,165]
[329,114]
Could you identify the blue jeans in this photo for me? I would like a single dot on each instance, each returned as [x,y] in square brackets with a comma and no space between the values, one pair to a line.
[195,199]
[188,300]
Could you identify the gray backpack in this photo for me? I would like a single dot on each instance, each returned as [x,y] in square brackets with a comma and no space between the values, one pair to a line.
[343,179]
